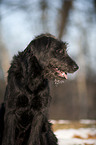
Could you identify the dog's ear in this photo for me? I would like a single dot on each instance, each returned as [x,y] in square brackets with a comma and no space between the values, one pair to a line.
[39,44]
[37,47]
[29,50]
[34,67]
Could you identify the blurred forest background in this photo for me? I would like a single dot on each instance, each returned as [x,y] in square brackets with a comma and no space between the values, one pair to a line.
[73,21]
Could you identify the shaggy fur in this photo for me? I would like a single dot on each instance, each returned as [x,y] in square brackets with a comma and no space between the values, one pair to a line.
[2,112]
[27,93]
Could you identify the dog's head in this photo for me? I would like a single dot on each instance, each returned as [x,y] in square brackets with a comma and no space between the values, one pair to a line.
[52,55]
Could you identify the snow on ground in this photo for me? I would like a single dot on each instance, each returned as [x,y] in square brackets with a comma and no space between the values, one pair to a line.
[86,121]
[60,121]
[82,121]
[66,136]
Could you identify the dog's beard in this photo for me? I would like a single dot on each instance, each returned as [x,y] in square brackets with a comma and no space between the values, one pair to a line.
[58,81]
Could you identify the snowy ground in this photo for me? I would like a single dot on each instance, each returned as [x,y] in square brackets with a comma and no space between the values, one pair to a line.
[80,136]
[67,136]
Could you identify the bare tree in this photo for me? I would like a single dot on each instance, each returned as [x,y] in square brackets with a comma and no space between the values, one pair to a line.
[66,6]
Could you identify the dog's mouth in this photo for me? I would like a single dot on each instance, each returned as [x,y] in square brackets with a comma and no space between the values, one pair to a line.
[61,73]
[56,72]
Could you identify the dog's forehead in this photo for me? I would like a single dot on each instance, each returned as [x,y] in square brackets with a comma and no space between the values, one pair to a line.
[52,42]
[58,45]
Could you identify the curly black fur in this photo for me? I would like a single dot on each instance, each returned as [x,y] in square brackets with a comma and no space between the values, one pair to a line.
[27,93]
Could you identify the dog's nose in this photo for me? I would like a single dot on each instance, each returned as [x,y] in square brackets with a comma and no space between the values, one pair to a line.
[76,67]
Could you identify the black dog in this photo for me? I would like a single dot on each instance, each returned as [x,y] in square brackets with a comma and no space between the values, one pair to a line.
[27,93]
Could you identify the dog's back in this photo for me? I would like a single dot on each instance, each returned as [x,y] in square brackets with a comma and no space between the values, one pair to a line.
[2,111]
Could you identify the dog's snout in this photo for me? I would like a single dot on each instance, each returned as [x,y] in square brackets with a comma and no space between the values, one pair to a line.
[72,65]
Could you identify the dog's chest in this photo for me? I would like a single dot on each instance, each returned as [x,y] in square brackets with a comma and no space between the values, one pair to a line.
[41,97]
